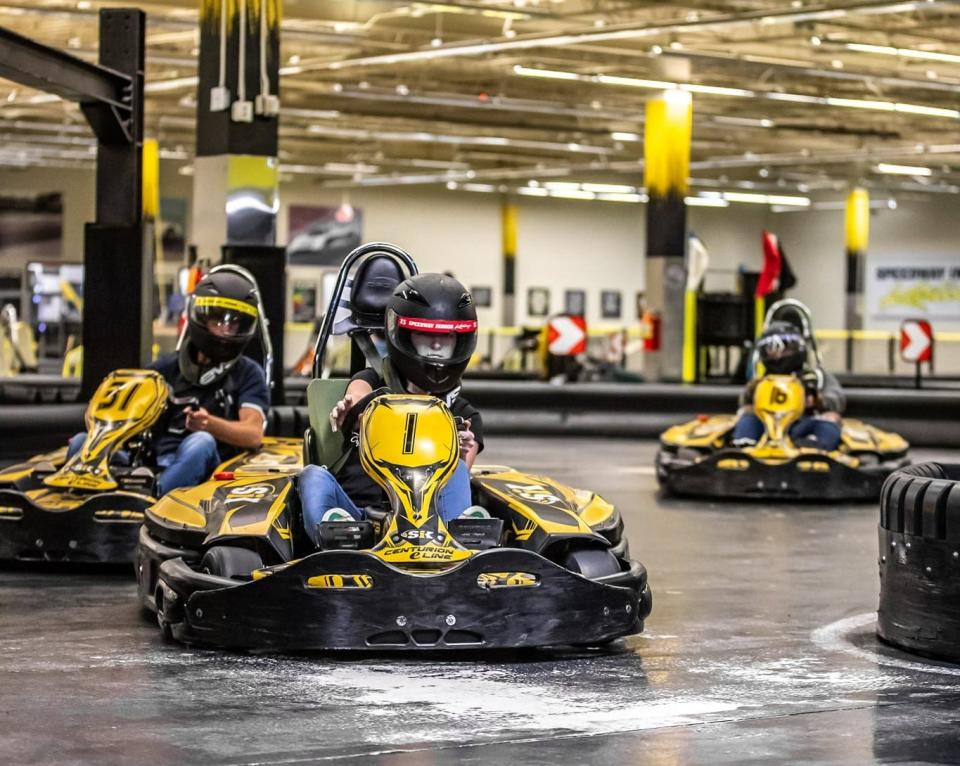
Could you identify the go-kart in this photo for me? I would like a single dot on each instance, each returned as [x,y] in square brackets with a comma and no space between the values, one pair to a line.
[89,508]
[550,566]
[697,458]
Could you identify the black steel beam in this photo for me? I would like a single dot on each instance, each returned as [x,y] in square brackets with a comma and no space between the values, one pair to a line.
[39,66]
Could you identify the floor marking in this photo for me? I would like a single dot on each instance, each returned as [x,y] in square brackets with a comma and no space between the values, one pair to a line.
[834,638]
[643,470]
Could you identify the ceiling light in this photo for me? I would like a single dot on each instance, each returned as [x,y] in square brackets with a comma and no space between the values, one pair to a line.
[562,185]
[814,40]
[608,188]
[573,194]
[622,197]
[909,53]
[487,188]
[706,202]
[903,170]
[550,74]
[531,191]
[621,136]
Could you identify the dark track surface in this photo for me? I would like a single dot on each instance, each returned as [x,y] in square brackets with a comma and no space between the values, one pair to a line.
[759,650]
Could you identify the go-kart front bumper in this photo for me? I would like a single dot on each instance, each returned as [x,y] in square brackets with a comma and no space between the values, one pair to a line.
[736,474]
[102,529]
[317,604]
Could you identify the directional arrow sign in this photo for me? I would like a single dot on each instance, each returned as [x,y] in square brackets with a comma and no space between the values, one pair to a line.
[916,341]
[567,336]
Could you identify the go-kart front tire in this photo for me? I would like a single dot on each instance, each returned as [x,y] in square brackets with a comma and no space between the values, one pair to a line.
[230,561]
[592,563]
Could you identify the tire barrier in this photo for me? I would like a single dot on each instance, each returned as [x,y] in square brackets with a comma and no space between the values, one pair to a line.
[920,560]
[924,418]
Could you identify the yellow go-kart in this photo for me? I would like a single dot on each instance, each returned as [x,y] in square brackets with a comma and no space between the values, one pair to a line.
[89,508]
[550,566]
[697,459]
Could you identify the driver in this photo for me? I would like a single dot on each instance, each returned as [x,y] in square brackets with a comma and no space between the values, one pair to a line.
[226,391]
[783,351]
[431,333]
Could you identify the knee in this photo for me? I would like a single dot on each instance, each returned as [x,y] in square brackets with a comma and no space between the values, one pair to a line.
[314,478]
[200,446]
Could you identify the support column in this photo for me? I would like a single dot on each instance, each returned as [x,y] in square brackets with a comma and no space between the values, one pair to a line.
[508,225]
[117,257]
[669,120]
[857,240]
[235,173]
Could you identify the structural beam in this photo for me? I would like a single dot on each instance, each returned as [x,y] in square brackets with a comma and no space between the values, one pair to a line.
[29,63]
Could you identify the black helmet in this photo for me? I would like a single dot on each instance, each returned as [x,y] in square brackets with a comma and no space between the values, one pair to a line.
[782,348]
[222,315]
[431,325]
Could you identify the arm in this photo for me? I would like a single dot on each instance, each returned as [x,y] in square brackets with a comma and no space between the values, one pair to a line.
[355,392]
[246,433]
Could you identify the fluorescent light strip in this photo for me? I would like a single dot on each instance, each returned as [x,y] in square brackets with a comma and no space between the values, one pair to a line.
[728,21]
[706,202]
[621,136]
[799,98]
[907,53]
[903,170]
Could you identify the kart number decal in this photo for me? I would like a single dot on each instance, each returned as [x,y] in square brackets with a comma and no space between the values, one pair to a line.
[409,433]
[121,387]
[778,396]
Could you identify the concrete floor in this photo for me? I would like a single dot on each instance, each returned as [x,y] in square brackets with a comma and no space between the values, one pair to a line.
[759,650]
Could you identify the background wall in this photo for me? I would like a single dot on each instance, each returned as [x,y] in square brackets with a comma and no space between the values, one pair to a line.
[573,244]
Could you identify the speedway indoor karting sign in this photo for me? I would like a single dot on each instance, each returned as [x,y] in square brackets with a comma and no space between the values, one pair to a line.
[904,289]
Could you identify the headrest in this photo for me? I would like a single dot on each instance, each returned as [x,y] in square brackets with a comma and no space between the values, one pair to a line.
[374,283]
[363,304]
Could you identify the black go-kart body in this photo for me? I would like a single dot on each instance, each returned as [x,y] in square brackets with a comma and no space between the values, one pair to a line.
[549,567]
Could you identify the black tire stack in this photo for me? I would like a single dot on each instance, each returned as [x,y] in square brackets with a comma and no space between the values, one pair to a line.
[920,560]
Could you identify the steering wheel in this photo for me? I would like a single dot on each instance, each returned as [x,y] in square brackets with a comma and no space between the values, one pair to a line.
[353,414]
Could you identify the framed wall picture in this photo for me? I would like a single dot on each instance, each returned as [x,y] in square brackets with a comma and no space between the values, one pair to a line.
[575,302]
[538,301]
[482,296]
[610,304]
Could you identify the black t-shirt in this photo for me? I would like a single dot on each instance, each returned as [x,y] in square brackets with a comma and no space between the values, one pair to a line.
[356,483]
[245,385]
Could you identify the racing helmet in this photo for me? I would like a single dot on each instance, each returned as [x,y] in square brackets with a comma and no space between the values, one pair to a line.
[782,348]
[431,329]
[222,317]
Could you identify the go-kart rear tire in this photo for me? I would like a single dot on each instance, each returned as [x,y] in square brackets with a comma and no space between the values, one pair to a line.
[230,561]
[592,562]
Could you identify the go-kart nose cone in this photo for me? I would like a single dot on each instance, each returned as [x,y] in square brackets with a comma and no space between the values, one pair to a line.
[408,431]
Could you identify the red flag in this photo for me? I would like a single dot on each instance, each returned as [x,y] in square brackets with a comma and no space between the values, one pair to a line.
[772,259]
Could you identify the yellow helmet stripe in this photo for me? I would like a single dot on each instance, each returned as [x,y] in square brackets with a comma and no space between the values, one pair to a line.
[219,302]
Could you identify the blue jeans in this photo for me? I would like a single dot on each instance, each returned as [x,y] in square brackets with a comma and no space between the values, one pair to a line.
[826,432]
[189,464]
[320,491]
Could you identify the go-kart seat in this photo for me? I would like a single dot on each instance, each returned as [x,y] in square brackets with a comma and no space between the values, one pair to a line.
[359,315]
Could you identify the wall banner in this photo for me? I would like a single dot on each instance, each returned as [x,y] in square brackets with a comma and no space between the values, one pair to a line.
[897,289]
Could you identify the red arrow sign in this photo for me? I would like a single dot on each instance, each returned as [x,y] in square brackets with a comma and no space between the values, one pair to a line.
[916,341]
[567,336]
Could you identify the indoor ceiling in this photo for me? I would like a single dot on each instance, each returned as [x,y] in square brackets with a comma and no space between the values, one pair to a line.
[790,98]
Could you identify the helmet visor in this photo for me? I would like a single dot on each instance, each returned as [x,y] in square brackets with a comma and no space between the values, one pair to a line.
[435,341]
[781,346]
[225,318]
